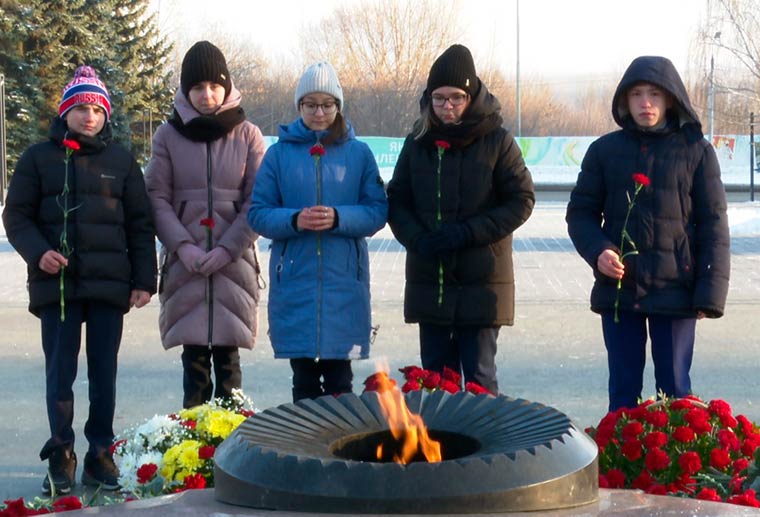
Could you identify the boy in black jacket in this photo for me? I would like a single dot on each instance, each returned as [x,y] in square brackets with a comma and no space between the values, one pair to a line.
[78,213]
[648,214]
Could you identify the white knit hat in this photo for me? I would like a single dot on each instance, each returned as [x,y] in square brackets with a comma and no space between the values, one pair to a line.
[319,77]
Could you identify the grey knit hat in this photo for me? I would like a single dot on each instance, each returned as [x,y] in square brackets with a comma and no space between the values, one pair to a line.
[319,77]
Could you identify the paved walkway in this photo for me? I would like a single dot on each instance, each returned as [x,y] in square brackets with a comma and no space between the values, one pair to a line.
[554,354]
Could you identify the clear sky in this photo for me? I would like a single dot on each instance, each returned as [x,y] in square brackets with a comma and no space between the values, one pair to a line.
[580,40]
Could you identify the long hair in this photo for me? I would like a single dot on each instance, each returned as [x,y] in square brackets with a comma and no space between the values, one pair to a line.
[426,121]
[337,130]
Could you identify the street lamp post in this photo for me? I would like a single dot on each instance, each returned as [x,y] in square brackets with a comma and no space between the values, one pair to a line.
[711,104]
[3,171]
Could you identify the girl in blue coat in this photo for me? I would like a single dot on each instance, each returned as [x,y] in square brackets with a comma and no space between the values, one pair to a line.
[317,196]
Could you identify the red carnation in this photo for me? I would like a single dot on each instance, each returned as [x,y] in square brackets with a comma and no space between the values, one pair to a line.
[728,440]
[377,380]
[642,481]
[447,385]
[65,504]
[451,375]
[474,387]
[748,498]
[412,372]
[750,444]
[632,430]
[190,424]
[719,407]
[195,481]
[615,478]
[684,434]
[603,483]
[740,465]
[317,150]
[432,380]
[657,459]
[727,420]
[681,404]
[655,439]
[641,179]
[708,494]
[657,418]
[699,420]
[208,222]
[657,489]
[603,436]
[206,452]
[146,472]
[71,144]
[442,144]
[719,458]
[631,449]
[689,462]
[410,386]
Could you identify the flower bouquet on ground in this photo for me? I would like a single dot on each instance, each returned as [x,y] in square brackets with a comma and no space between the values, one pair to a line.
[18,508]
[171,453]
[683,447]
[416,378]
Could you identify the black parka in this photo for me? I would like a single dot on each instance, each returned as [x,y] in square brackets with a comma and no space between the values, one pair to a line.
[486,186]
[678,223]
[110,230]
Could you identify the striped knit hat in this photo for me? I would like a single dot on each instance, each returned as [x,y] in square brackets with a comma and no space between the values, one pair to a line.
[85,88]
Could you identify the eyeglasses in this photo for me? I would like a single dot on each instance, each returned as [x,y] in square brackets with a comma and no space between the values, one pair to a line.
[328,108]
[455,100]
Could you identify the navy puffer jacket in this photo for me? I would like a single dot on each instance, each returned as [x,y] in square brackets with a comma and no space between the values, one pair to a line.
[678,224]
[111,230]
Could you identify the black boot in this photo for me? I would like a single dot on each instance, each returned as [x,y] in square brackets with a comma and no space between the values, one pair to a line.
[226,370]
[100,470]
[62,467]
[196,381]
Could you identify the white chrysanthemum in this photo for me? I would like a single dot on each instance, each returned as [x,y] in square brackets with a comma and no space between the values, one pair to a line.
[127,464]
[158,432]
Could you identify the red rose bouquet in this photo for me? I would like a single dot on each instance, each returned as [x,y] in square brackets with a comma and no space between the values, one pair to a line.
[681,447]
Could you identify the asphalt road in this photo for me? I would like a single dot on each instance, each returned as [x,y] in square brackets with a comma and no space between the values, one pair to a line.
[553,354]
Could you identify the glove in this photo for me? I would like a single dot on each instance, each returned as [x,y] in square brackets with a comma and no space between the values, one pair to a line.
[450,237]
[190,255]
[214,260]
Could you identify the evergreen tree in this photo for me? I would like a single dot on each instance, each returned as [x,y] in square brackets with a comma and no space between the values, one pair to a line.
[43,42]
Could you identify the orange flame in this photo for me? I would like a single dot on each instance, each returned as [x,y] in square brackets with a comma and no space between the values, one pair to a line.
[406,427]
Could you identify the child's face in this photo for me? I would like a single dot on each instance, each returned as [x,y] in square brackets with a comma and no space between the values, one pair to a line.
[206,97]
[647,104]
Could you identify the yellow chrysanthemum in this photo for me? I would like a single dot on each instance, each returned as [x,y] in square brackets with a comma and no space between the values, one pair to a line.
[219,423]
[181,460]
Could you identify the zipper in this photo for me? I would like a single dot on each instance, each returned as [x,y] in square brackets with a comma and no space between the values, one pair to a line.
[278,268]
[319,263]
[209,245]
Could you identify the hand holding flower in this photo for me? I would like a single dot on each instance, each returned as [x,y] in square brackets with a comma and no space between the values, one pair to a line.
[316,218]
[191,256]
[214,260]
[52,262]
[608,263]
[139,298]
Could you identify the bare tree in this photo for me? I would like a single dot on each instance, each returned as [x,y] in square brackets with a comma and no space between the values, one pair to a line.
[729,54]
[382,50]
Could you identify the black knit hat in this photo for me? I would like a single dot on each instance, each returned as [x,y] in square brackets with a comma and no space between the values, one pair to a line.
[204,62]
[454,67]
